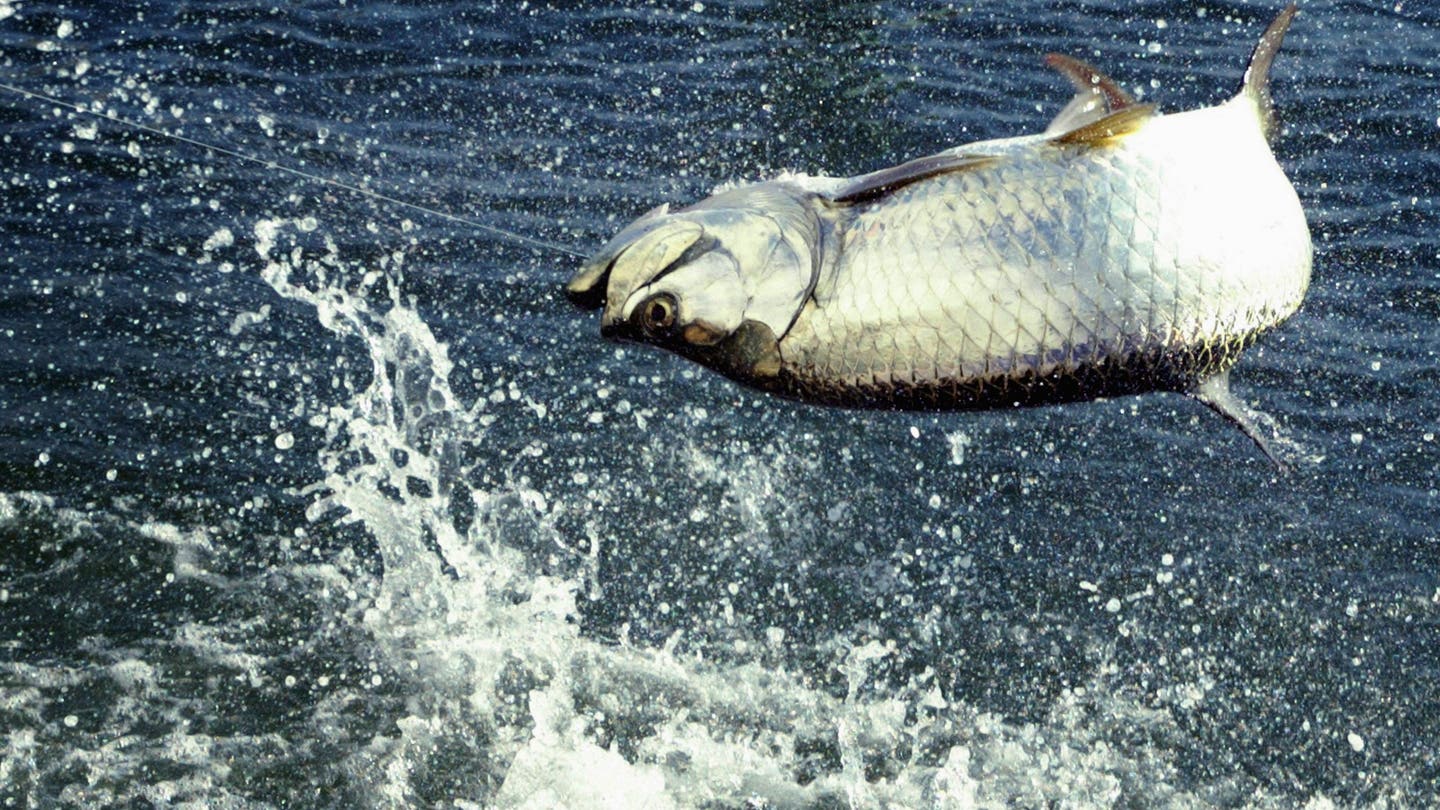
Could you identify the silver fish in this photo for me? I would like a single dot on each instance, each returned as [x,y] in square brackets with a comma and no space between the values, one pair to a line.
[1118,252]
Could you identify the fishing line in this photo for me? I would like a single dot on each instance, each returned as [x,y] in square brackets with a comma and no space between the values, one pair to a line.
[533,242]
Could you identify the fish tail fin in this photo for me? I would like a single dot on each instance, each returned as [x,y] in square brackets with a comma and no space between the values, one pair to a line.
[1256,84]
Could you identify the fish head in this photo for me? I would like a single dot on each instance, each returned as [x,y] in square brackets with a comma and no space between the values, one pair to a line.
[718,282]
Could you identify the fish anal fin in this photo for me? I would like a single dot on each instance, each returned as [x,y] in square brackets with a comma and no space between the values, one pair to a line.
[1283,452]
[868,187]
[1096,95]
[1108,129]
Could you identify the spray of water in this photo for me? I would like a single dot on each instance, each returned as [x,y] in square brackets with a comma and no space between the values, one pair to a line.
[510,705]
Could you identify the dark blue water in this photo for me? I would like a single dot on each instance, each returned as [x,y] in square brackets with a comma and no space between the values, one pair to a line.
[312,500]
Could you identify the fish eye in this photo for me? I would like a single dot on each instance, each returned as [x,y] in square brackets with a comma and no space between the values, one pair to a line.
[657,313]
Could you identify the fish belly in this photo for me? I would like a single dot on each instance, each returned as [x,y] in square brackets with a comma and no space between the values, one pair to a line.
[1058,273]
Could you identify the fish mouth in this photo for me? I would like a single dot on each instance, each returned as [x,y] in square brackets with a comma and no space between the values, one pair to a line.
[586,289]
[619,331]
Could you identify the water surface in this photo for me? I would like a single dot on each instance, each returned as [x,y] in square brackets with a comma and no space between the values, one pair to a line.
[312,500]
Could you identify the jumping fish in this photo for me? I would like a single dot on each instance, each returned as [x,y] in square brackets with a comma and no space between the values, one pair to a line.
[1120,251]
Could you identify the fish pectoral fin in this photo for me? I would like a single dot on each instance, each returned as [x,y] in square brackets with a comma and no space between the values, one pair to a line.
[1285,453]
[1096,95]
[869,187]
[1105,130]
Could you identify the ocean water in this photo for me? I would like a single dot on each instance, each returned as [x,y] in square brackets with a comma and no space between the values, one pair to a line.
[309,499]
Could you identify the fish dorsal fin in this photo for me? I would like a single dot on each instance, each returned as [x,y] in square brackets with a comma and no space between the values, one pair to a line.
[1096,95]
[1105,130]
[870,186]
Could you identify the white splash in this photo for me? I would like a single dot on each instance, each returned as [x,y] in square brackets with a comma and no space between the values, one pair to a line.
[497,673]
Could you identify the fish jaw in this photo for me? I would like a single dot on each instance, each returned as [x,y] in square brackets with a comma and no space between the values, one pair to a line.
[718,282]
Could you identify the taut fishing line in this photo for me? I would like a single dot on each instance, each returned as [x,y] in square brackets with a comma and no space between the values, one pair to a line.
[530,241]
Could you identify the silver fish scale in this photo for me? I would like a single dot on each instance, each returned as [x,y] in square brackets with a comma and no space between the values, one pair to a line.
[980,284]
